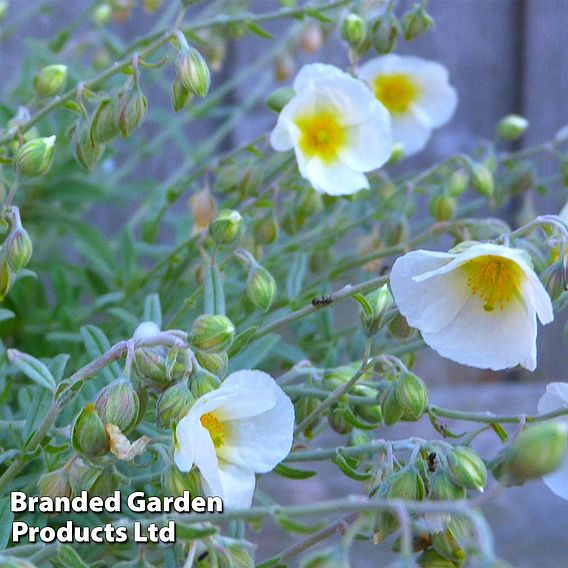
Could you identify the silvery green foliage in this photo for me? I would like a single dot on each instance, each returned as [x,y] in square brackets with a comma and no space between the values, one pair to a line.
[123,308]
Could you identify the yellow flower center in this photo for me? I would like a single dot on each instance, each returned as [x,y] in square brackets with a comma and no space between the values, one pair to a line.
[494,278]
[396,91]
[215,428]
[321,135]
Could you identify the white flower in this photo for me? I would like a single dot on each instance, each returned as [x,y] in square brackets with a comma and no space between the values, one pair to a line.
[477,307]
[556,397]
[337,129]
[564,213]
[242,428]
[417,94]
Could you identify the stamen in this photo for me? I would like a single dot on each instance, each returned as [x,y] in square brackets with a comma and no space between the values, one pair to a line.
[215,428]
[396,91]
[322,135]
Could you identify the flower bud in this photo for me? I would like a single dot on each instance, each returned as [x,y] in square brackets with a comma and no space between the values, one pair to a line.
[443,488]
[173,404]
[105,484]
[536,451]
[312,38]
[104,126]
[446,545]
[512,127]
[354,30]
[118,403]
[337,421]
[432,559]
[283,67]
[102,14]
[416,22]
[212,333]
[193,71]
[370,413]
[406,484]
[35,157]
[50,80]
[412,396]
[279,98]
[89,436]
[467,468]
[131,109]
[85,152]
[55,484]
[395,230]
[6,278]
[398,326]
[180,95]
[261,287]
[482,179]
[379,300]
[227,227]
[442,207]
[384,33]
[458,182]
[392,411]
[202,382]
[554,279]
[303,407]
[175,482]
[216,363]
[265,230]
[203,210]
[18,248]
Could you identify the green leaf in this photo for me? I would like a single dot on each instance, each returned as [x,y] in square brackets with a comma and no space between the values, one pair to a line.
[194,530]
[34,369]
[256,29]
[364,304]
[242,340]
[39,407]
[291,473]
[69,557]
[317,15]
[57,366]
[296,275]
[6,520]
[254,354]
[500,431]
[153,310]
[292,525]
[97,344]
[214,294]
[350,471]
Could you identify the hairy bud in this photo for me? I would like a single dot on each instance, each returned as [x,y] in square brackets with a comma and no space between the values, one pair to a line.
[212,333]
[442,207]
[265,230]
[261,287]
[467,468]
[354,30]
[50,80]
[412,396]
[202,382]
[482,179]
[379,301]
[55,484]
[217,363]
[89,436]
[174,403]
[85,152]
[512,127]
[416,22]
[6,277]
[193,71]
[35,157]
[392,411]
[443,488]
[384,33]
[19,248]
[175,482]
[180,95]
[131,109]
[227,227]
[458,182]
[555,279]
[118,403]
[104,127]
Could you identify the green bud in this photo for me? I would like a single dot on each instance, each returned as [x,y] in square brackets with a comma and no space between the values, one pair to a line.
[458,182]
[104,127]
[85,152]
[212,333]
[441,206]
[398,326]
[15,562]
[416,22]
[446,545]
[432,559]
[102,14]
[467,468]
[216,363]
[309,203]
[370,413]
[81,475]
[35,157]
[193,71]
[392,411]
[279,98]
[55,484]
[50,80]
[105,484]
[6,278]
[175,482]
[395,230]
[173,404]
[265,230]
[261,287]
[512,127]
[180,95]
[384,33]
[536,451]
[412,396]
[554,279]
[227,227]
[354,30]
[303,407]
[202,382]
[89,436]
[406,484]
[337,421]
[118,403]
[443,488]
[18,248]
[482,179]
[131,109]
[379,300]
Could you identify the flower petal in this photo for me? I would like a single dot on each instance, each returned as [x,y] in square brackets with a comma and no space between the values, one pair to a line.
[412,131]
[557,481]
[431,305]
[555,397]
[260,442]
[488,340]
[207,462]
[238,485]
[334,179]
[314,73]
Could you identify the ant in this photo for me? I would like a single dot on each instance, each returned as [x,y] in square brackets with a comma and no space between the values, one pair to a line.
[323,301]
[432,462]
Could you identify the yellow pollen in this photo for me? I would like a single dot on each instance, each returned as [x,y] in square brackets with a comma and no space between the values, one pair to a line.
[396,91]
[494,278]
[321,135]
[215,428]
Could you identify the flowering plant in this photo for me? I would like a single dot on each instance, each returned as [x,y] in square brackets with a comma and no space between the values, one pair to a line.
[278,319]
